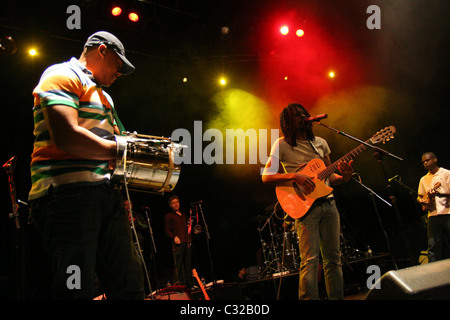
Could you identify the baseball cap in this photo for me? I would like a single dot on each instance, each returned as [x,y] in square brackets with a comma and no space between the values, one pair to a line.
[104,37]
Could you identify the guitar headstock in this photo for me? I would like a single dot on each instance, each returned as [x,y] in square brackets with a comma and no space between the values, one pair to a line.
[384,135]
[194,273]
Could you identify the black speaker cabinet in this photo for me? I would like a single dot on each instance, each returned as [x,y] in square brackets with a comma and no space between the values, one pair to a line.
[429,281]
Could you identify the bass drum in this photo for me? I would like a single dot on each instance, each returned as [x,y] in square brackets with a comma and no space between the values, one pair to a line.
[146,163]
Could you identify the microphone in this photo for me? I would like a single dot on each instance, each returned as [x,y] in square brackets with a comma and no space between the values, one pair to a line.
[393,178]
[9,162]
[9,165]
[317,118]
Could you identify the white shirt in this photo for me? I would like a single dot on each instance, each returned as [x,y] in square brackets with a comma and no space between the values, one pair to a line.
[429,180]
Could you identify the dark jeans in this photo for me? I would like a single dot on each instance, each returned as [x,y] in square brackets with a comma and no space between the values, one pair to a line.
[182,260]
[438,236]
[85,232]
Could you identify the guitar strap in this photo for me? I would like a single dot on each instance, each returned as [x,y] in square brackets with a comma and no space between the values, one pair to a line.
[315,149]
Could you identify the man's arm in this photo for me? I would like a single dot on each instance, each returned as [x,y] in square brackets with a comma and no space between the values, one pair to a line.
[269,176]
[68,136]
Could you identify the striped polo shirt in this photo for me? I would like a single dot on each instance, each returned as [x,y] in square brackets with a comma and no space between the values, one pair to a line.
[69,84]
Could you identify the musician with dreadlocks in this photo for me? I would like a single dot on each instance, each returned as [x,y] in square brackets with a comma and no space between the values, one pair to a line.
[319,228]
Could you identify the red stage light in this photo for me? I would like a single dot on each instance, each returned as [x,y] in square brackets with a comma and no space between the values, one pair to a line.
[116,11]
[133,16]
[300,33]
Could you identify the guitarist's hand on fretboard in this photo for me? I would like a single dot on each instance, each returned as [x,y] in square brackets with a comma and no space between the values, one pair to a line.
[346,170]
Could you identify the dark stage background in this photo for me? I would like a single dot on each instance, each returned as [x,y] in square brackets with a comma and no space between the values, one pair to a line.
[397,75]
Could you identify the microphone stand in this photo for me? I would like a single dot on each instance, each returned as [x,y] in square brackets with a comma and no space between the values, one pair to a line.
[152,239]
[199,203]
[379,157]
[373,195]
[362,142]
[18,243]
[412,193]
[379,153]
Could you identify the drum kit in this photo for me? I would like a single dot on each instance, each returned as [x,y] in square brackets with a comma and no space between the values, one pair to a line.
[279,246]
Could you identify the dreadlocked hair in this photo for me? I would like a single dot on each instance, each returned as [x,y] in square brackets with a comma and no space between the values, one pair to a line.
[290,125]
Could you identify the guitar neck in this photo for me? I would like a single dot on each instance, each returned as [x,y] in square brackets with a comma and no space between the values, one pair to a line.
[325,173]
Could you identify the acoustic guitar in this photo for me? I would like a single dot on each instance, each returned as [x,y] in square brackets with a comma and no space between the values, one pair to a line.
[296,203]
[428,203]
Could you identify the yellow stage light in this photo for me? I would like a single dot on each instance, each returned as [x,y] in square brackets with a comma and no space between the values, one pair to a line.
[133,16]
[116,11]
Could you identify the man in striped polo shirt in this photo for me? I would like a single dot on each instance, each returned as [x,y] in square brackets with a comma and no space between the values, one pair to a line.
[79,214]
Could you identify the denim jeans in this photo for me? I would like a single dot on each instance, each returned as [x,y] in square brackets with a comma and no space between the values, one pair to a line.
[87,227]
[319,232]
[438,236]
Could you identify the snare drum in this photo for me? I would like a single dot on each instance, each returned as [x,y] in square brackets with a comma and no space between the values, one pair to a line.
[146,163]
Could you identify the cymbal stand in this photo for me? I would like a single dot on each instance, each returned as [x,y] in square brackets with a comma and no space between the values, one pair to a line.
[273,244]
[373,194]
[268,268]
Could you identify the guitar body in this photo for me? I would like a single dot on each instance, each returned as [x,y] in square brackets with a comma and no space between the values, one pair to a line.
[428,200]
[292,198]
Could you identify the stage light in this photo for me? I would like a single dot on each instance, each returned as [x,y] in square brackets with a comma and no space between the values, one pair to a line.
[116,11]
[32,52]
[185,79]
[300,33]
[133,16]
[284,30]
[222,81]
[331,74]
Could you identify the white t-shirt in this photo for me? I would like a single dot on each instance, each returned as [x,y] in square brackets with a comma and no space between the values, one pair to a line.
[303,152]
[428,181]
